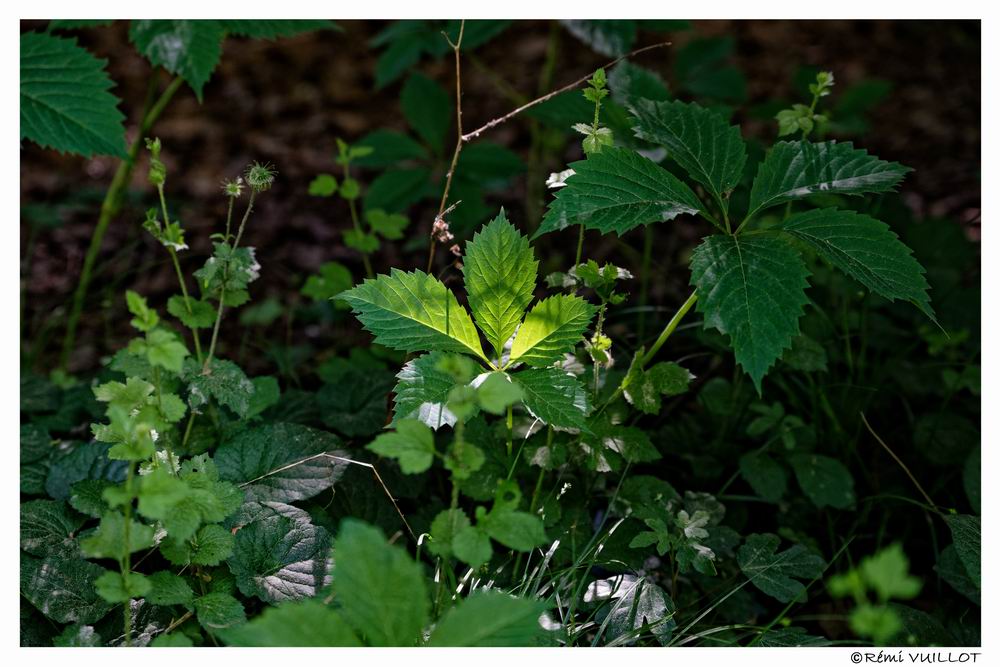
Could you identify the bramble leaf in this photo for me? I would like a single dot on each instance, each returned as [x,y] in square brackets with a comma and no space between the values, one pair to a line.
[797,169]
[412,444]
[414,312]
[554,396]
[188,48]
[867,250]
[422,392]
[276,558]
[710,150]
[775,573]
[752,288]
[551,329]
[500,270]
[617,190]
[65,103]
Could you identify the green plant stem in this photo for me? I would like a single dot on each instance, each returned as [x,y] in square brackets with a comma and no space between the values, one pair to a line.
[670,328]
[647,260]
[126,562]
[510,430]
[225,280]
[180,275]
[579,248]
[357,226]
[109,209]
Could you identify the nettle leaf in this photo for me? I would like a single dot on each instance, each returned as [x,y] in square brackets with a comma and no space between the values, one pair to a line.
[225,382]
[211,545]
[168,588]
[264,458]
[65,103]
[414,312]
[381,590]
[109,540]
[825,481]
[774,572]
[490,618]
[201,316]
[47,524]
[867,250]
[61,586]
[555,397]
[276,559]
[644,388]
[551,329]
[751,287]
[304,623]
[797,169]
[353,400]
[500,270]
[428,109]
[422,392]
[617,190]
[630,82]
[966,531]
[82,461]
[412,444]
[188,48]
[77,635]
[700,140]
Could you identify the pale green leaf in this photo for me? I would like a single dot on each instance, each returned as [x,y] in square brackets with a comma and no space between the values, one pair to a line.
[412,444]
[774,572]
[65,103]
[865,249]
[381,590]
[167,588]
[617,190]
[414,312]
[797,169]
[700,140]
[303,623]
[218,611]
[490,618]
[551,329]
[500,270]
[752,288]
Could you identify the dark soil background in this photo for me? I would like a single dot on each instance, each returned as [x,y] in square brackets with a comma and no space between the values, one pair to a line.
[287,101]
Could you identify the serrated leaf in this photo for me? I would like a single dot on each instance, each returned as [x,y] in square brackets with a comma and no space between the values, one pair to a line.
[188,48]
[630,82]
[867,250]
[710,150]
[225,382]
[122,587]
[414,312]
[787,637]
[61,586]
[634,603]
[554,396]
[354,401]
[422,392]
[825,481]
[264,456]
[609,37]
[775,572]
[84,460]
[797,169]
[47,524]
[65,103]
[428,109]
[966,531]
[617,190]
[752,288]
[490,618]
[303,623]
[278,559]
[77,635]
[108,541]
[201,316]
[552,328]
[412,444]
[168,588]
[497,392]
[520,531]
[500,271]
[380,589]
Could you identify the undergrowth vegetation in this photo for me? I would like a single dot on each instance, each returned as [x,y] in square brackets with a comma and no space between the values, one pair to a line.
[525,451]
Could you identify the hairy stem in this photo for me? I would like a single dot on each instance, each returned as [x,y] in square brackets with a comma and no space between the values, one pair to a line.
[225,280]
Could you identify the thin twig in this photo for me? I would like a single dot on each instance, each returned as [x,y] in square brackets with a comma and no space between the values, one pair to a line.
[524,107]
[345,460]
[457,48]
[900,462]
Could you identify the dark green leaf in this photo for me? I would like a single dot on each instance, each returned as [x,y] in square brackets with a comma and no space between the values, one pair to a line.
[554,396]
[490,618]
[61,586]
[825,481]
[966,530]
[428,108]
[47,524]
[188,48]
[775,572]
[303,623]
